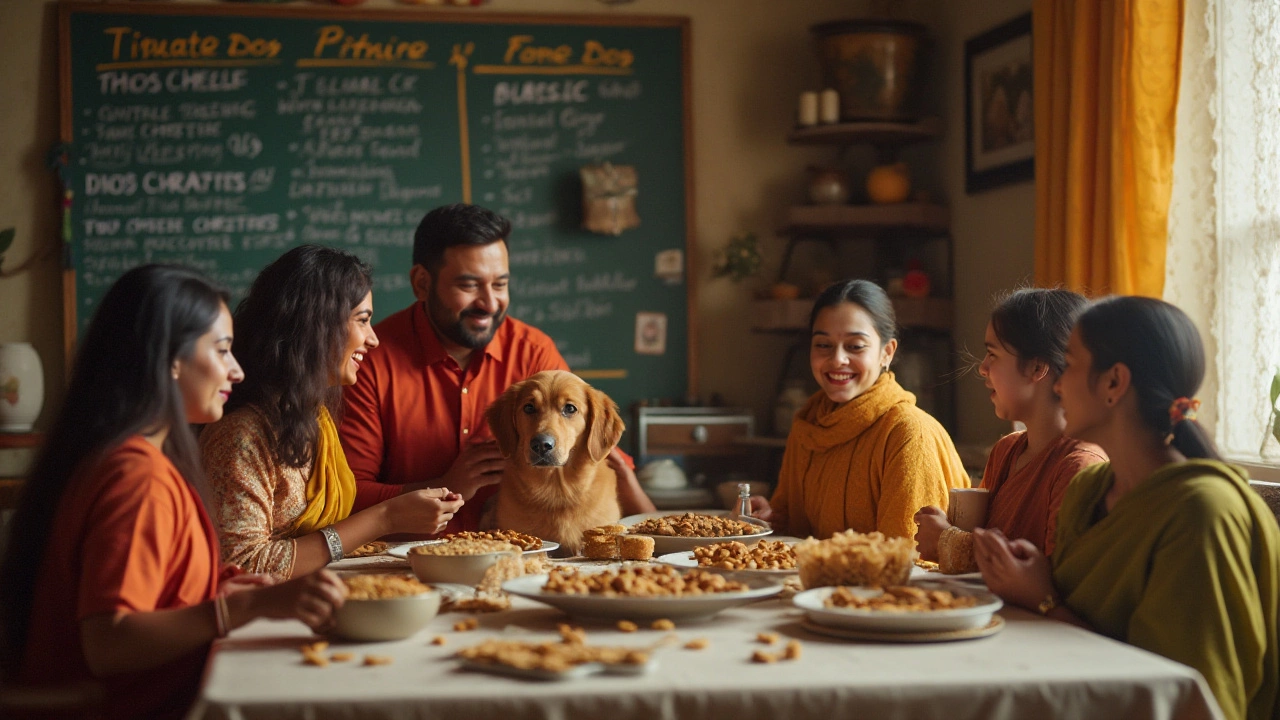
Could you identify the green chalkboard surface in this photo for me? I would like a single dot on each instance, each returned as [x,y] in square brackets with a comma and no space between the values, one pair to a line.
[220,136]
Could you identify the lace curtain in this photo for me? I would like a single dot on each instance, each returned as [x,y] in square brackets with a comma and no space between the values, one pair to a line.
[1224,222]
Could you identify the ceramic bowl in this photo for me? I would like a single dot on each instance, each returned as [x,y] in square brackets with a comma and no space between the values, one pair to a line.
[385,619]
[461,569]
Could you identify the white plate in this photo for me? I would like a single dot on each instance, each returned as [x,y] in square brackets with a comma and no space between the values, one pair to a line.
[919,573]
[811,601]
[663,544]
[685,560]
[676,609]
[402,551]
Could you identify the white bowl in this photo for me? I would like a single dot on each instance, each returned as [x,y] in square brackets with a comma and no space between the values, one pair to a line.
[460,569]
[387,618]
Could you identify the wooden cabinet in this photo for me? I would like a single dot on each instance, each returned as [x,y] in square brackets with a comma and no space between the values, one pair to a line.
[692,431]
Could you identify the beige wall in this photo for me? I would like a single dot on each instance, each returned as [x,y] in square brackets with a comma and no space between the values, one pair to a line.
[993,231]
[750,59]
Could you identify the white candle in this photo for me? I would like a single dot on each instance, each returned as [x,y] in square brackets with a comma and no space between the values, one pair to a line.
[808,115]
[830,106]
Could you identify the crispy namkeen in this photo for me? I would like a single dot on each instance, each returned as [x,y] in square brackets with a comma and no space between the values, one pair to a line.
[524,541]
[900,598]
[733,555]
[639,581]
[549,656]
[464,546]
[695,525]
[852,558]
[382,587]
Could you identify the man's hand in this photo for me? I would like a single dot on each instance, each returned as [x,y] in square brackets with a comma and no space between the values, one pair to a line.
[478,465]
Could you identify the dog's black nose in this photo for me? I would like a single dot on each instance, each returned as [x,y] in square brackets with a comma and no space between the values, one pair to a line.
[542,443]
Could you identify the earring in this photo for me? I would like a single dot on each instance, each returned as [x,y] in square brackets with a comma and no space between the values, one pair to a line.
[884,369]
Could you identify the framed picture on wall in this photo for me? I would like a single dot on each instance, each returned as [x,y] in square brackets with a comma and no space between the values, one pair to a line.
[999,123]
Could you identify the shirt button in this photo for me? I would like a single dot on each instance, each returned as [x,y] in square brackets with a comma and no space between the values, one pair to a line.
[464,391]
[465,431]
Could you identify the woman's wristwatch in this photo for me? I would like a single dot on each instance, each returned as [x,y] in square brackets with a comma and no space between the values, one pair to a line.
[334,542]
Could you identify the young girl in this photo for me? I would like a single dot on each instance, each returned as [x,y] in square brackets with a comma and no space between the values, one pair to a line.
[1027,472]
[112,570]
[287,501]
[1165,546]
[860,454]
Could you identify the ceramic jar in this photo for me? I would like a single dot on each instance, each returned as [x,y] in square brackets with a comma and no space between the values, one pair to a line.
[828,186]
[21,387]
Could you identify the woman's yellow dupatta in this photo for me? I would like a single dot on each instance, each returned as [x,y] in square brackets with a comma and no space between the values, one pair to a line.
[331,489]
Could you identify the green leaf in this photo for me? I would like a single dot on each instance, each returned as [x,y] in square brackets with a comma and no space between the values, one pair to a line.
[6,239]
[1275,381]
[1275,428]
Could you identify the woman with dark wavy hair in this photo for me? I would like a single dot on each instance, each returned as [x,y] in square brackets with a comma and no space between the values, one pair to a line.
[112,573]
[284,495]
[1165,546]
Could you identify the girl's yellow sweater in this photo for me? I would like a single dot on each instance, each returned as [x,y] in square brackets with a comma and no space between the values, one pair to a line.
[867,465]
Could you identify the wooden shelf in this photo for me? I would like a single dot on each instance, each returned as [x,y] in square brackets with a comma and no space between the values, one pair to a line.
[792,316]
[870,219]
[9,441]
[869,133]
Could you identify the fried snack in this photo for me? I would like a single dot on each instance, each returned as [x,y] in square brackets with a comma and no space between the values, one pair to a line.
[316,659]
[464,546]
[439,640]
[482,604]
[695,525]
[767,638]
[926,565]
[791,587]
[600,547]
[760,656]
[900,599]
[605,530]
[697,644]
[371,660]
[549,656]
[733,555]
[851,558]
[341,657]
[571,635]
[663,624]
[466,625]
[521,540]
[793,651]
[635,547]
[639,581]
[505,568]
[627,626]
[535,564]
[377,547]
[955,552]
[382,586]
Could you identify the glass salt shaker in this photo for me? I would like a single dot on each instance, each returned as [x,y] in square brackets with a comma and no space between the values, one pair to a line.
[743,508]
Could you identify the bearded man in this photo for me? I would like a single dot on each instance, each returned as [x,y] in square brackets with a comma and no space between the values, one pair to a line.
[415,417]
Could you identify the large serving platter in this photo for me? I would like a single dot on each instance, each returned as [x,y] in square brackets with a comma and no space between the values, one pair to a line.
[676,609]
[402,551]
[664,544]
[686,561]
[811,601]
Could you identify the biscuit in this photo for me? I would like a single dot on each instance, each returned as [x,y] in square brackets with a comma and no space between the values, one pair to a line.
[601,547]
[606,530]
[635,547]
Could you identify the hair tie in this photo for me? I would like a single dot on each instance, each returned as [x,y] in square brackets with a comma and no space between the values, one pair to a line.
[1183,409]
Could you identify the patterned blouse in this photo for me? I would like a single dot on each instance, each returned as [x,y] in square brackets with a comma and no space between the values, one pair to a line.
[257,499]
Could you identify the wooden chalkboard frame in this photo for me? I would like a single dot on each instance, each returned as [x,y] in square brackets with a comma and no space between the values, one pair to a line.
[67,10]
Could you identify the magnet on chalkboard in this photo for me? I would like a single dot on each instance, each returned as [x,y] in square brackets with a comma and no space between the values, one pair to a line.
[668,266]
[651,333]
[609,198]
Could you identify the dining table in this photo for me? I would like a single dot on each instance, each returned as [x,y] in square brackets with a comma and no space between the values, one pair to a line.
[1032,668]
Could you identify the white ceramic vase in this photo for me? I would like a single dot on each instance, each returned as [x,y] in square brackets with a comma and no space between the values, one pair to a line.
[21,387]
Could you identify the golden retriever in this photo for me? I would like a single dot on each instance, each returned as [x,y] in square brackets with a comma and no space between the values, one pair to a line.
[555,431]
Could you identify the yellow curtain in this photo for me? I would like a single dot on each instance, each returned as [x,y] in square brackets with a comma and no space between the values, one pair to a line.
[1106,96]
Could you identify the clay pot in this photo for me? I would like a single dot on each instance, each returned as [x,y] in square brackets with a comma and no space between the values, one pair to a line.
[888,184]
[828,186]
[873,64]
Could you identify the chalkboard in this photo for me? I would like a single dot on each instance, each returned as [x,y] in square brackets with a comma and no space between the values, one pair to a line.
[220,136]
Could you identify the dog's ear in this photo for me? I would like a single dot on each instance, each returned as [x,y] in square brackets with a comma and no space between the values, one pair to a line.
[606,424]
[501,417]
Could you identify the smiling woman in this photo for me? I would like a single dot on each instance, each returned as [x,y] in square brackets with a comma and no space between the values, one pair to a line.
[283,490]
[860,454]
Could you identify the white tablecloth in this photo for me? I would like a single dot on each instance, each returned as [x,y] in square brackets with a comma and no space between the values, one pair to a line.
[1034,668]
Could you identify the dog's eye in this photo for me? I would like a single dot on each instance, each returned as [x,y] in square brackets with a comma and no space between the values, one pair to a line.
[529,409]
[569,409]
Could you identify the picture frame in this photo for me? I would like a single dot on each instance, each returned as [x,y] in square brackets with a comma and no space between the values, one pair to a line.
[999,107]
